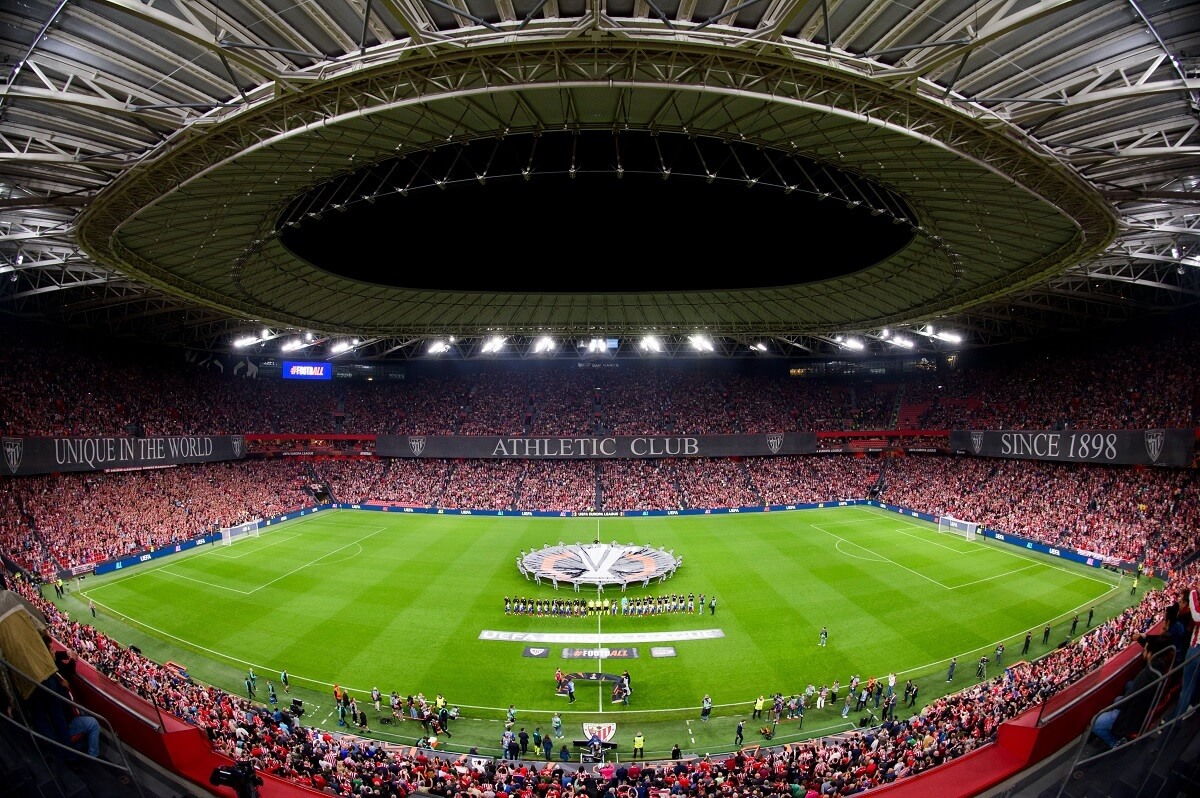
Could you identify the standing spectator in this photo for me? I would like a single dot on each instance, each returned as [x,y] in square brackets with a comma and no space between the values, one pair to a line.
[1191,668]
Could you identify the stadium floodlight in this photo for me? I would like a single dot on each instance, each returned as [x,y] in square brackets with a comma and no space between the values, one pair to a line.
[652,343]
[701,343]
[543,344]
[493,344]
[884,333]
[906,343]
[308,337]
[242,343]
[292,346]
[596,345]
[854,343]
[341,346]
[438,348]
[265,333]
[759,347]
[953,338]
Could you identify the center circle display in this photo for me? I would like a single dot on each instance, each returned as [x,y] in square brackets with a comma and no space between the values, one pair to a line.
[599,564]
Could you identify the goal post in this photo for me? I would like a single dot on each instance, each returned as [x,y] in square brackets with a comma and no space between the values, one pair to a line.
[956,526]
[233,533]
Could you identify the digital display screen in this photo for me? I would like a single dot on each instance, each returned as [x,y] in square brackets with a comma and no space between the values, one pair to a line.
[307,370]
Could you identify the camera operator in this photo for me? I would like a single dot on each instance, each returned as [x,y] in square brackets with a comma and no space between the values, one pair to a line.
[240,776]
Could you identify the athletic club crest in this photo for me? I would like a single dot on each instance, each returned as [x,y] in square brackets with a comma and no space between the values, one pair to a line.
[774,443]
[417,445]
[1154,443]
[604,731]
[237,441]
[976,441]
[13,449]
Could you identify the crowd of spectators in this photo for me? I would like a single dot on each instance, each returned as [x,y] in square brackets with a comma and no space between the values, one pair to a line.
[1130,514]
[71,389]
[55,522]
[276,743]
[66,520]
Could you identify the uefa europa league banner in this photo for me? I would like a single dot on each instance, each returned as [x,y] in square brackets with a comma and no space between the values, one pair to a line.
[25,456]
[1152,447]
[614,448]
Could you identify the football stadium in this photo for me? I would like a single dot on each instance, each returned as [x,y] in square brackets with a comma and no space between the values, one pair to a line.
[599,400]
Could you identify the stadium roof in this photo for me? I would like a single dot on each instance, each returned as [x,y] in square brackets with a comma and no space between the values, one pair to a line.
[1043,157]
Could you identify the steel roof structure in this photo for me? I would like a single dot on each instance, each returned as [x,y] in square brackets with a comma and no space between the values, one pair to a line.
[1045,156]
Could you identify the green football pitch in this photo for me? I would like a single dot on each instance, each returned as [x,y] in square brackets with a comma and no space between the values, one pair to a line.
[406,602]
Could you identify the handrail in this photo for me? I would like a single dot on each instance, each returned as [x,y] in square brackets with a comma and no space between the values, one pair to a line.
[1157,687]
[35,735]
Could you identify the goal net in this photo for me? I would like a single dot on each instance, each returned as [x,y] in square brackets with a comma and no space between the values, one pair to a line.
[230,534]
[956,526]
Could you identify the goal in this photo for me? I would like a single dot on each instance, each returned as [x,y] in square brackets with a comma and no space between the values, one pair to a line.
[248,529]
[956,526]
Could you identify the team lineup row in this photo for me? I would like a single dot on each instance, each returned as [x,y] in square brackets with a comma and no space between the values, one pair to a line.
[578,608]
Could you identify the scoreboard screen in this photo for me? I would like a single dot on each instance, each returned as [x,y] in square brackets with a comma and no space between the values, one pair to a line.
[306,370]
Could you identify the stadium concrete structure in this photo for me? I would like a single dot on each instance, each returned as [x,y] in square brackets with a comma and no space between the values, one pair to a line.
[162,162]
[1040,159]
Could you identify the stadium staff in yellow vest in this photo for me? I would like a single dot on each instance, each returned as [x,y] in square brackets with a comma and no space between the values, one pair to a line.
[639,746]
[759,703]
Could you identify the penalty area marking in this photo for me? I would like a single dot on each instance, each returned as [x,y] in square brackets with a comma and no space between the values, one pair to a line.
[1018,553]
[253,549]
[883,559]
[838,546]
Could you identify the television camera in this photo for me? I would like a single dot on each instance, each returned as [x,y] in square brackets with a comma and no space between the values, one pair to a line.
[240,776]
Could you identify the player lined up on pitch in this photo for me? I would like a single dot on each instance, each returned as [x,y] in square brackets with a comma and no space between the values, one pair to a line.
[675,603]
